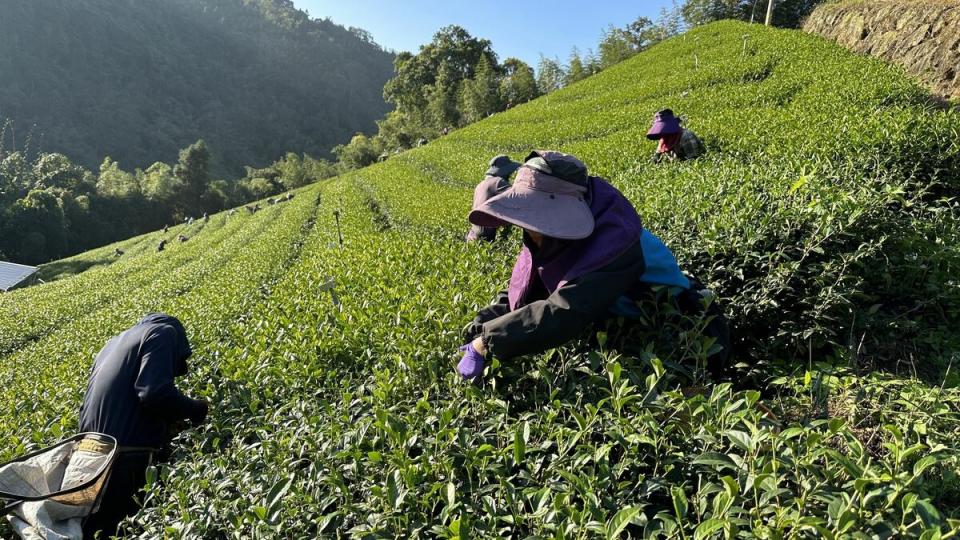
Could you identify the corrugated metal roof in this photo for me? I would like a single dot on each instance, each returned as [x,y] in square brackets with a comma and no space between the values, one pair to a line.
[12,274]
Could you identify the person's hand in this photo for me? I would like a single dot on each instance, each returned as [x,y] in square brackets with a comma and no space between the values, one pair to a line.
[472,364]
[199,415]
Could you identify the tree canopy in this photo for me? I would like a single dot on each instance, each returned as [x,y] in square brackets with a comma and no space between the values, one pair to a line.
[138,80]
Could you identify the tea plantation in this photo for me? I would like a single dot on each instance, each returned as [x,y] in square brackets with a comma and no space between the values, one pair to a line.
[824,216]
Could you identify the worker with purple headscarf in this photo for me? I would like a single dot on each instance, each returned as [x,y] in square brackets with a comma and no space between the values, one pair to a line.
[676,143]
[585,258]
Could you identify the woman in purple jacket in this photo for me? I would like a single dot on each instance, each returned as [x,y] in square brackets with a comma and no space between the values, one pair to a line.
[585,257]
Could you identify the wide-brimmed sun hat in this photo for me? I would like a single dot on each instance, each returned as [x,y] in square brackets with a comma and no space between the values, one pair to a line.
[502,166]
[547,197]
[664,123]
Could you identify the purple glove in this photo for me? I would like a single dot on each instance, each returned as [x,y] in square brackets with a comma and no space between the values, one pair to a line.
[472,363]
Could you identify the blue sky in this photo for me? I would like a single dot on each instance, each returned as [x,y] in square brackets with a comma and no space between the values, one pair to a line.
[516,28]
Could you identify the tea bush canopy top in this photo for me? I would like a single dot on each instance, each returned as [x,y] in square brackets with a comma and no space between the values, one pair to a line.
[12,274]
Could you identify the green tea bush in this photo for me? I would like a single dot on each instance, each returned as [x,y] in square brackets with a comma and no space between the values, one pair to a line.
[823,216]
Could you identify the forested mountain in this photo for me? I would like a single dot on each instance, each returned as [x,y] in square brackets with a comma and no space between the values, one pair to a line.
[137,80]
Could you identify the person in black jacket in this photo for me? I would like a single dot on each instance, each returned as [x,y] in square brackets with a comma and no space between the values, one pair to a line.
[131,396]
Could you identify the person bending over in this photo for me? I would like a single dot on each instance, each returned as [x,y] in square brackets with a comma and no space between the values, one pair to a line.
[585,258]
[131,396]
[496,181]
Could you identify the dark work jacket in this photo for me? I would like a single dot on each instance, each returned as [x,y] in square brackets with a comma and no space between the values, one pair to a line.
[550,320]
[131,394]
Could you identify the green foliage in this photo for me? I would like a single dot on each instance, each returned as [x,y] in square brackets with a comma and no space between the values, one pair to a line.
[159,183]
[34,228]
[550,75]
[480,96]
[615,47]
[51,208]
[519,84]
[454,80]
[114,182]
[360,152]
[576,70]
[700,12]
[787,13]
[192,173]
[139,80]
[426,84]
[821,213]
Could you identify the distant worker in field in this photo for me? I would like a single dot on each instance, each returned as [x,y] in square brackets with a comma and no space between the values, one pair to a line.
[586,257]
[131,395]
[496,181]
[161,246]
[675,142]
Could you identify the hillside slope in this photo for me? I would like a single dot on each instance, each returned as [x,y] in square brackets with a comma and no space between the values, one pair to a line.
[823,216]
[138,80]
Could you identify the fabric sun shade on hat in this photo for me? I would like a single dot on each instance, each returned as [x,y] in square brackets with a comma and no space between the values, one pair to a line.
[502,166]
[547,197]
[664,123]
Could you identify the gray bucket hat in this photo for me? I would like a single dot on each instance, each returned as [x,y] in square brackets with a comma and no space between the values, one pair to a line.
[502,166]
[547,197]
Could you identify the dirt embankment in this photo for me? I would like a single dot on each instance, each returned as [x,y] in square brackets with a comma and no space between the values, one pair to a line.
[921,35]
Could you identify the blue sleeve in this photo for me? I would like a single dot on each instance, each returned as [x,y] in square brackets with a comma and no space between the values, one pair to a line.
[662,267]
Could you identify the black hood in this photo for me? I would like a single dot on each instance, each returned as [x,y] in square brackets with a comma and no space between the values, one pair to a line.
[182,346]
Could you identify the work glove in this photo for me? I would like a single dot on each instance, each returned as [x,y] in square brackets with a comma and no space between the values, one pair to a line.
[199,414]
[472,364]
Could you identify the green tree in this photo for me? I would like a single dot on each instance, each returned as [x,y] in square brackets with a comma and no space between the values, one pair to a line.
[260,188]
[358,153]
[35,229]
[787,13]
[216,197]
[519,82]
[318,169]
[591,63]
[159,183]
[427,84]
[16,176]
[115,182]
[442,111]
[56,170]
[293,171]
[699,12]
[550,75]
[615,46]
[480,96]
[192,171]
[399,130]
[576,70]
[791,13]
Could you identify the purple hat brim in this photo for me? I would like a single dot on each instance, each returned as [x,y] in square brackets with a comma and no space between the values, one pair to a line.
[561,216]
[661,128]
